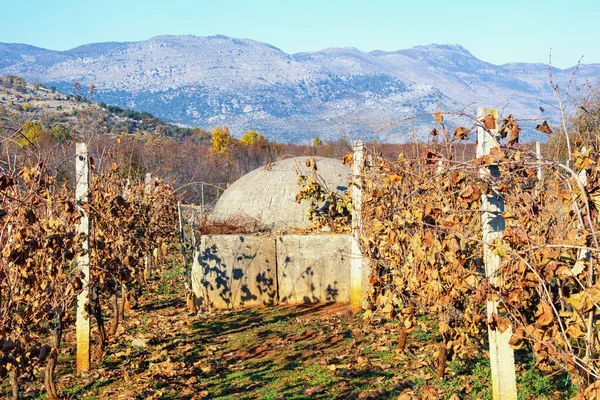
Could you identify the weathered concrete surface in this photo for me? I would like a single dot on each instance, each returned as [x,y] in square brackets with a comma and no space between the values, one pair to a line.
[232,271]
[313,268]
[366,283]
[265,199]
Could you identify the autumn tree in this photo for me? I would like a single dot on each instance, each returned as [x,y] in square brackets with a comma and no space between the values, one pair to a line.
[221,141]
[30,134]
[252,137]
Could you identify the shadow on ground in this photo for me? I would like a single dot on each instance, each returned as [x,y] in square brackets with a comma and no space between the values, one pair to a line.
[273,353]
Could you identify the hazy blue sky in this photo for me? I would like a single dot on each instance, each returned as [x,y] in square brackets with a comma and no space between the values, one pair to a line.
[495,31]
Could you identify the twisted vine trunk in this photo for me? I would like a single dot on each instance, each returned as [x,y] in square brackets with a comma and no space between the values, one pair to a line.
[97,311]
[402,338]
[14,383]
[51,360]
[403,330]
[136,294]
[115,306]
[124,306]
[119,309]
[190,302]
[442,358]
[127,300]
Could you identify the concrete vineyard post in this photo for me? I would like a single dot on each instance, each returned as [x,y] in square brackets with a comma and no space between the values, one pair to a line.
[356,256]
[191,300]
[583,255]
[83,261]
[538,155]
[181,235]
[187,271]
[148,182]
[502,359]
[148,259]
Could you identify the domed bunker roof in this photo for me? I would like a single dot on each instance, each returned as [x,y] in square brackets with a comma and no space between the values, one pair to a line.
[266,197]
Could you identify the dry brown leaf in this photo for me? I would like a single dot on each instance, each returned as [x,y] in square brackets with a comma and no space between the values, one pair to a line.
[489,122]
[511,129]
[408,395]
[461,133]
[544,128]
[431,157]
[429,392]
[470,193]
[498,323]
[517,339]
[544,315]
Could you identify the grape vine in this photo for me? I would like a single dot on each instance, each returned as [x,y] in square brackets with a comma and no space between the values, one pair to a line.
[38,272]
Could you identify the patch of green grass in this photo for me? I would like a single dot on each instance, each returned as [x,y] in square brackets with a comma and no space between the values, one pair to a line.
[481,379]
[421,335]
[69,391]
[169,281]
[533,383]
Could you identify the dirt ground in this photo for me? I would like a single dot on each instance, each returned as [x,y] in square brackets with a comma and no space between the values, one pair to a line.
[317,351]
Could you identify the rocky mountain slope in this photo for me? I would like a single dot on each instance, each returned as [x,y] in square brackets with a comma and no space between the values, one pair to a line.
[69,115]
[217,80]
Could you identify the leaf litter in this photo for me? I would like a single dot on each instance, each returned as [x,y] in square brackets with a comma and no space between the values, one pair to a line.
[318,351]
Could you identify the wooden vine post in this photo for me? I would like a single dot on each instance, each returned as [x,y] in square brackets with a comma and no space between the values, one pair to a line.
[502,359]
[356,258]
[83,261]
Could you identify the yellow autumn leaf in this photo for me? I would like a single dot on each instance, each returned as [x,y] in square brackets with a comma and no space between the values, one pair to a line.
[586,300]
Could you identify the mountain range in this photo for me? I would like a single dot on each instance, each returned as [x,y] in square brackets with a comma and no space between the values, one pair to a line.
[245,84]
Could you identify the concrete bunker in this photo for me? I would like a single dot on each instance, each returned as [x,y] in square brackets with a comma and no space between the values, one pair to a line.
[265,199]
[272,267]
